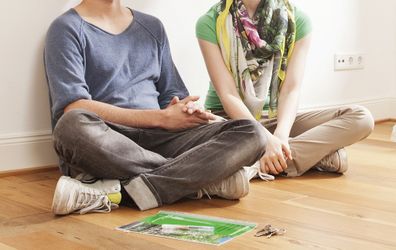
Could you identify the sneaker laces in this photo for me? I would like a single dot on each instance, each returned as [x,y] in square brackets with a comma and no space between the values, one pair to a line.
[255,170]
[205,193]
[101,205]
[265,176]
[327,161]
[335,162]
[92,200]
[212,188]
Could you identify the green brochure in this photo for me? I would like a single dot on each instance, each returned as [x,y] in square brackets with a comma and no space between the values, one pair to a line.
[190,227]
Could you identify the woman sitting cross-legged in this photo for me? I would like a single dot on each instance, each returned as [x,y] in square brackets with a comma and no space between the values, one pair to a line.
[255,53]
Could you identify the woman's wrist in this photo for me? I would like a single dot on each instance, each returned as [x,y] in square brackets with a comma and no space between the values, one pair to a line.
[281,135]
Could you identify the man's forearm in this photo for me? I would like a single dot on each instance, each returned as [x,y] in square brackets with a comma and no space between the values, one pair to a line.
[128,117]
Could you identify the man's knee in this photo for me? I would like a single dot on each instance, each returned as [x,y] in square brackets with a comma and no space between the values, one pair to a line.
[253,134]
[71,125]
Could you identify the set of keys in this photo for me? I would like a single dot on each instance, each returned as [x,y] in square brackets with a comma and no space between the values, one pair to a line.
[270,231]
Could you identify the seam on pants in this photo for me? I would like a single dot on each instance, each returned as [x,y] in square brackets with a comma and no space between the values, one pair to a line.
[152,189]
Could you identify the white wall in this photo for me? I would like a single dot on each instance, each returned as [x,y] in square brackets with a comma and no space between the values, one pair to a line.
[353,26]
[24,109]
[181,34]
[340,26]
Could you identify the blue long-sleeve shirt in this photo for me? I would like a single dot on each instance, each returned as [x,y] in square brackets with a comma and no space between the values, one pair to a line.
[133,69]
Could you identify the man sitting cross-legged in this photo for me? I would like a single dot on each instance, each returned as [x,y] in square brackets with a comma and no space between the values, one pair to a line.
[124,121]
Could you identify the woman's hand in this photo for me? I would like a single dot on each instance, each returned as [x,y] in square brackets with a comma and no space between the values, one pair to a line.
[176,116]
[192,107]
[277,152]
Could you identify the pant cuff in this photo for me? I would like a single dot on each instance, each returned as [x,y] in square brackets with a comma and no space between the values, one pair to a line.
[141,194]
[291,170]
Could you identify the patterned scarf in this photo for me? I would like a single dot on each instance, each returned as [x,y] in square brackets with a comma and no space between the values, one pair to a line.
[257,50]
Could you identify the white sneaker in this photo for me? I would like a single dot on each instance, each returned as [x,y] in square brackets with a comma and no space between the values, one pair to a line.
[233,188]
[336,162]
[73,196]
[254,171]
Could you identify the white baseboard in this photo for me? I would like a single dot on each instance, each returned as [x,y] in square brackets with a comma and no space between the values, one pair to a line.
[35,149]
[26,150]
[382,108]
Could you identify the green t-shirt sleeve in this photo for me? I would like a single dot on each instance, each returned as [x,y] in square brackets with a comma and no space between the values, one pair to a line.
[303,24]
[206,26]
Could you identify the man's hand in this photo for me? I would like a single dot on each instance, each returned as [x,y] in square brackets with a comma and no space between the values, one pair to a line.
[276,153]
[177,116]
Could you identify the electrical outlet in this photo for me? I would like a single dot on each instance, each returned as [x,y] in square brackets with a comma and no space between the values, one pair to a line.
[348,61]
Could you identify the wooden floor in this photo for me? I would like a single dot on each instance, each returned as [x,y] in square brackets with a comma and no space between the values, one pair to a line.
[320,211]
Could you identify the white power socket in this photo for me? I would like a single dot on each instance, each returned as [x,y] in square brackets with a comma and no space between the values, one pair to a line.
[348,61]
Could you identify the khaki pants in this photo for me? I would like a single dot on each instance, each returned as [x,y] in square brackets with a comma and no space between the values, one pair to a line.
[318,133]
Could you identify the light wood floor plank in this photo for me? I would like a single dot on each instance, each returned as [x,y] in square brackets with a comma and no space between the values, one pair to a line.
[5,247]
[42,240]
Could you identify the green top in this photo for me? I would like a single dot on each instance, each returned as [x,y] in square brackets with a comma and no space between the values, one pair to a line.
[206,30]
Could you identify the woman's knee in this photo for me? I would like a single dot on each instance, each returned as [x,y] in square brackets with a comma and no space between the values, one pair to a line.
[364,121]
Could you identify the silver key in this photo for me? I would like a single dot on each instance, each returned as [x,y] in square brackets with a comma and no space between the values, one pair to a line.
[270,231]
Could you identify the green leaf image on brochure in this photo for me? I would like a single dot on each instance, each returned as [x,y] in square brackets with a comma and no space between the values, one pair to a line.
[190,227]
